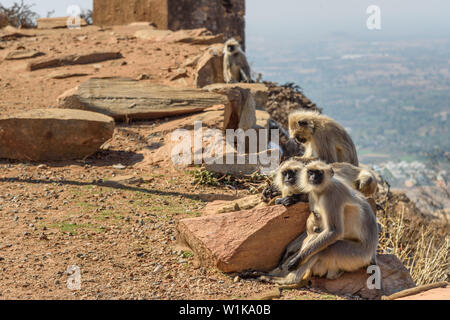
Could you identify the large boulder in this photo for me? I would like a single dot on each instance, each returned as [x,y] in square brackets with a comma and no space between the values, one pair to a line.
[209,67]
[53,134]
[395,278]
[244,240]
[127,99]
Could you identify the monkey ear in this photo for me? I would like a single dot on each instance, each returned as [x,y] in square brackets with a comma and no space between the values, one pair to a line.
[331,172]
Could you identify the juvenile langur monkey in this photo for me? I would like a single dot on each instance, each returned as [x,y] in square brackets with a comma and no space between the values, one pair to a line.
[323,138]
[235,65]
[288,176]
[287,181]
[346,237]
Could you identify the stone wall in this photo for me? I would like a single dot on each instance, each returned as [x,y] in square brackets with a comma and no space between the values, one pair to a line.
[218,16]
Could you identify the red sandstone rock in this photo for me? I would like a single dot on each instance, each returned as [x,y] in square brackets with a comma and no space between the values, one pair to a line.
[53,134]
[243,240]
[394,274]
[73,59]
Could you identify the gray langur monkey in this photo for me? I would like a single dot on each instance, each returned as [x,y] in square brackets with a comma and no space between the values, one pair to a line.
[288,177]
[344,239]
[323,138]
[235,65]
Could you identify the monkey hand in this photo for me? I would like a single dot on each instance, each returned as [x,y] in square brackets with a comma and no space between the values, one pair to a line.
[291,200]
[269,192]
[294,263]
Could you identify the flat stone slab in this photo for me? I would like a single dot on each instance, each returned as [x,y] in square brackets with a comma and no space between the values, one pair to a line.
[244,240]
[73,59]
[395,278]
[57,22]
[123,98]
[23,54]
[53,134]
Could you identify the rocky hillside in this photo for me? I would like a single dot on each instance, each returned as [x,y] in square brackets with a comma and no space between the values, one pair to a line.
[114,213]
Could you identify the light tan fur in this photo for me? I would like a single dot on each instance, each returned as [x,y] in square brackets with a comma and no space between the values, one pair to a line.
[359,178]
[324,137]
[343,238]
[235,65]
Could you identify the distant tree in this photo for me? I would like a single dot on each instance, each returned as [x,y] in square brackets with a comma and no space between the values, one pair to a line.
[19,15]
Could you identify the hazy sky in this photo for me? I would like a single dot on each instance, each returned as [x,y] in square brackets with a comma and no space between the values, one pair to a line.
[44,6]
[301,18]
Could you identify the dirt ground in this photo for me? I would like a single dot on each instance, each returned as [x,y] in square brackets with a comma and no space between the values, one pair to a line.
[58,214]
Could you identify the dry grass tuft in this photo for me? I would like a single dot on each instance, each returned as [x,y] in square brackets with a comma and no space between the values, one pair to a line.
[419,242]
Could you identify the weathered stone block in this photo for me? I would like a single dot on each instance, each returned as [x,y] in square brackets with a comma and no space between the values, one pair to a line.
[244,240]
[53,134]
[123,98]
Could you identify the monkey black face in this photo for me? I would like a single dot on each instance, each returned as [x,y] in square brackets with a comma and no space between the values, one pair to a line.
[289,177]
[315,177]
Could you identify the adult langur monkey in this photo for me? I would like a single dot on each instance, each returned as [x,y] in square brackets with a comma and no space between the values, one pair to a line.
[323,138]
[344,239]
[235,65]
[288,176]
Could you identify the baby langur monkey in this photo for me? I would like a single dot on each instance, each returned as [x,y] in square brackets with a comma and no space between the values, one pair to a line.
[346,237]
[323,138]
[287,181]
[288,177]
[235,65]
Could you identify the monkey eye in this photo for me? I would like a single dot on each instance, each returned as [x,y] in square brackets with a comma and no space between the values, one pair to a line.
[302,123]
